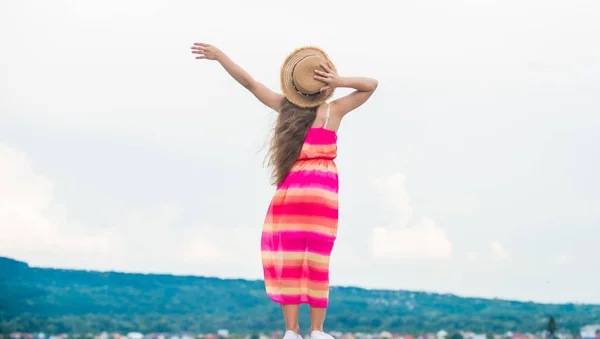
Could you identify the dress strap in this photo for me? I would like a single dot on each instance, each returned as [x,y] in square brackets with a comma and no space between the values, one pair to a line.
[327,116]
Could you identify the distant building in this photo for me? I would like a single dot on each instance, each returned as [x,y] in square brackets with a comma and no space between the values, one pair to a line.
[590,332]
[473,335]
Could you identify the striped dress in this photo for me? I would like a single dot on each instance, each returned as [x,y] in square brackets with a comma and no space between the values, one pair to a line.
[301,225]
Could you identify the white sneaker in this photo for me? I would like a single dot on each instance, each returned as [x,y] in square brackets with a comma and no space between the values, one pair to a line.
[320,335]
[291,335]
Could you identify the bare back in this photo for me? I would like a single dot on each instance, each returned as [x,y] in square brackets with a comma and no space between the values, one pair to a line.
[326,119]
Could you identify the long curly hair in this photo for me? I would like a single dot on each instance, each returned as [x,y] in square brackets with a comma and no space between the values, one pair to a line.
[288,137]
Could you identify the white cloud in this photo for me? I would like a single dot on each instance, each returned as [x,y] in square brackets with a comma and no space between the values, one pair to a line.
[219,245]
[37,229]
[498,250]
[30,219]
[472,254]
[562,259]
[425,240]
[397,240]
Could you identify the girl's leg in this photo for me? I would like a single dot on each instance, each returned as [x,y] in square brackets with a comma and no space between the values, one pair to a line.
[290,314]
[317,318]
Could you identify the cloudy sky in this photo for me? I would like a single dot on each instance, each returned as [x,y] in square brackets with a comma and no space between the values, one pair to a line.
[473,170]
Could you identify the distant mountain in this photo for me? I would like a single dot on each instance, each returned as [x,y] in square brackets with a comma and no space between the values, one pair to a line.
[58,300]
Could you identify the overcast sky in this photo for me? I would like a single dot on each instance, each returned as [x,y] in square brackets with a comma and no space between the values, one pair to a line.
[473,170]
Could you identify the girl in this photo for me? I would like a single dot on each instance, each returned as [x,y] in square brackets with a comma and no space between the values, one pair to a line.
[301,223]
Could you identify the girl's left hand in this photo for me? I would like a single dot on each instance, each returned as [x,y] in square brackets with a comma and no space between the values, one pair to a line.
[330,76]
[205,51]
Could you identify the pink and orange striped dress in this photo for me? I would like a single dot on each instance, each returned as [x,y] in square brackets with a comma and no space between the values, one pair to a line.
[301,225]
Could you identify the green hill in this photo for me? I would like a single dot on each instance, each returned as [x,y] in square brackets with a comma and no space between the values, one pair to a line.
[58,300]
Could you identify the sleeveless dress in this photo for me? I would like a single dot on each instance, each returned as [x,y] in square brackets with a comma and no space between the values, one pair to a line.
[301,225]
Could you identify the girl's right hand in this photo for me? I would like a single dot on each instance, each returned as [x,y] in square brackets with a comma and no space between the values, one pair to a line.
[206,51]
[330,76]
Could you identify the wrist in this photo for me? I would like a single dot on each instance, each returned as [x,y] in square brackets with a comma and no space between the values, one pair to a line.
[220,56]
[342,82]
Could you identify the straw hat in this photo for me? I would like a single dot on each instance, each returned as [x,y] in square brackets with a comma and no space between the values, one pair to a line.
[297,77]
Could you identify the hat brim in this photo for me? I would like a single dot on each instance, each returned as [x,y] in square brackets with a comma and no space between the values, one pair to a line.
[287,86]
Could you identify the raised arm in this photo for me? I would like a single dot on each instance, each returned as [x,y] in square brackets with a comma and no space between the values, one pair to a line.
[260,91]
[364,89]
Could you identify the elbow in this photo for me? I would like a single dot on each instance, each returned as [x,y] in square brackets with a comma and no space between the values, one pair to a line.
[247,84]
[374,84]
[246,80]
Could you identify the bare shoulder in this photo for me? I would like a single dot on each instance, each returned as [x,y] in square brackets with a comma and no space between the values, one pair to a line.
[321,114]
[364,88]
[325,117]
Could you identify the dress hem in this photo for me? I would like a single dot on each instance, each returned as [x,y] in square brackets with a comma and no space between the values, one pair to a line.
[311,303]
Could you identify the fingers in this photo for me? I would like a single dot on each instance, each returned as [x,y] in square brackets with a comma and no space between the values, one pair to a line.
[321,73]
[201,49]
[202,54]
[331,66]
[326,88]
[320,78]
[326,67]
